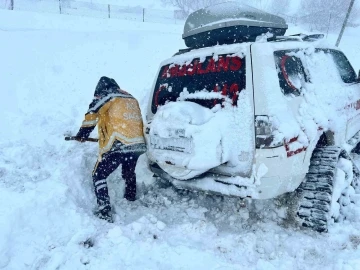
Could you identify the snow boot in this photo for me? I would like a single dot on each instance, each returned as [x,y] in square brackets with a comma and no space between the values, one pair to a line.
[130,186]
[105,213]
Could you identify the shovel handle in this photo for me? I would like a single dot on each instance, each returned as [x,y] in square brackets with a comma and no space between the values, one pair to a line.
[74,138]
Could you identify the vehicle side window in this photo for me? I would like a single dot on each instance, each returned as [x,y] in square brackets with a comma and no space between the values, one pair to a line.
[291,72]
[346,71]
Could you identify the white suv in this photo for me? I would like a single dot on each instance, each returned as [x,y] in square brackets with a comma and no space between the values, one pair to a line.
[258,119]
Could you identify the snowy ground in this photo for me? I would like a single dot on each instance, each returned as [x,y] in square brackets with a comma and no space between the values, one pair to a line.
[50,65]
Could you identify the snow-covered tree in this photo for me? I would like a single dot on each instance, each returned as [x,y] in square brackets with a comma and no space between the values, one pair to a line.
[7,4]
[279,7]
[188,6]
[326,14]
[260,4]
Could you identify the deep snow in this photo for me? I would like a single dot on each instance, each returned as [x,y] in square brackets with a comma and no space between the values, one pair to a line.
[49,67]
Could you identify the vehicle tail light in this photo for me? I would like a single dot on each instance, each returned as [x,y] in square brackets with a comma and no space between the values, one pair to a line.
[264,133]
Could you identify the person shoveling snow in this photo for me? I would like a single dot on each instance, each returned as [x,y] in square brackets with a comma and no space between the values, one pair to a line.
[121,140]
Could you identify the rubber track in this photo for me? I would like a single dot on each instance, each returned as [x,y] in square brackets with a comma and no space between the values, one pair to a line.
[355,140]
[355,143]
[316,190]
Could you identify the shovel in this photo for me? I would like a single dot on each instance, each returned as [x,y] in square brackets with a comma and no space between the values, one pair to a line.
[74,138]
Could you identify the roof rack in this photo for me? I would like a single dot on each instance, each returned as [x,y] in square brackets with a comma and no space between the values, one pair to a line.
[296,37]
[181,51]
[284,38]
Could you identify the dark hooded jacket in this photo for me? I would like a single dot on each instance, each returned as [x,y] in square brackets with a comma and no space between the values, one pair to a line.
[118,116]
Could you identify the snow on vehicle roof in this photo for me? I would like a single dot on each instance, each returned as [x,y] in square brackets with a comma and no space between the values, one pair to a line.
[237,49]
[227,21]
[230,8]
[234,10]
[289,44]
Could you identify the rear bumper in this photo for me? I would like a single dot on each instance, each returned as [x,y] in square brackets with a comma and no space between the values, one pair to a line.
[269,186]
[211,183]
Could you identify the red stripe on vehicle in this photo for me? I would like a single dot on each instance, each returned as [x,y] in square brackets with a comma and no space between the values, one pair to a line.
[283,70]
[355,105]
[292,153]
[156,101]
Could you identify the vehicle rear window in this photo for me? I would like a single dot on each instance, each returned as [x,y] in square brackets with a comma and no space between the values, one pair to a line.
[291,72]
[213,81]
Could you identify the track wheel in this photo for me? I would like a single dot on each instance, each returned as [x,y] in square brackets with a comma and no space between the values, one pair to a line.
[327,190]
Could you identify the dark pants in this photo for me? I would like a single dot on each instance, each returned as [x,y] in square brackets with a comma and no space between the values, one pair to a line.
[109,162]
[357,149]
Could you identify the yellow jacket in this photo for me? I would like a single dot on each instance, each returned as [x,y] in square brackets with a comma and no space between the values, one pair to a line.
[118,117]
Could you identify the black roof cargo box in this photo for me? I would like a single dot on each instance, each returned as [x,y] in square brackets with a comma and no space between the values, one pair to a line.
[229,22]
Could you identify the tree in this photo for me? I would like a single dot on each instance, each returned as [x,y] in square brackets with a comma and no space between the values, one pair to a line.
[326,14]
[279,7]
[272,6]
[188,6]
[7,4]
[260,4]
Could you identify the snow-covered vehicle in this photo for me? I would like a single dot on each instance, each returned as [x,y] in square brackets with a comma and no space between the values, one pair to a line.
[248,112]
